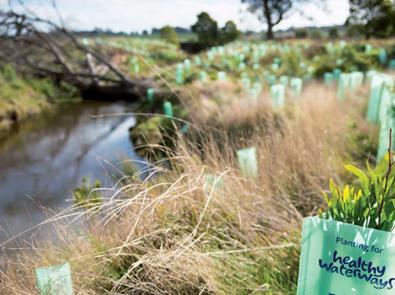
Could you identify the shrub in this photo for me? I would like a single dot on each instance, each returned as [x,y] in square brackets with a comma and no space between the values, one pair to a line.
[87,195]
[229,32]
[316,34]
[301,33]
[9,74]
[369,203]
[168,34]
[333,33]
[348,59]
[291,62]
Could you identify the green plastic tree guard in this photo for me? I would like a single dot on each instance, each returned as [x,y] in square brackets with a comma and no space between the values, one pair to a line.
[187,66]
[271,79]
[210,56]
[180,74]
[150,95]
[356,79]
[185,128]
[343,86]
[386,102]
[344,259]
[203,76]
[275,67]
[198,61]
[370,74]
[329,78]
[284,80]
[376,93]
[168,108]
[277,93]
[296,86]
[374,98]
[221,76]
[248,162]
[383,56]
[212,184]
[246,81]
[368,48]
[337,73]
[385,125]
[329,47]
[55,280]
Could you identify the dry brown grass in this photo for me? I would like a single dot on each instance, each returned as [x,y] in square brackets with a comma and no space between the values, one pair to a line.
[164,235]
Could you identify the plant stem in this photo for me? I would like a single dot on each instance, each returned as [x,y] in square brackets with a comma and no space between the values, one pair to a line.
[387,176]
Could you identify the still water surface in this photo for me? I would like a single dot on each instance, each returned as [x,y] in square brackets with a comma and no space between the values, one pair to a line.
[44,159]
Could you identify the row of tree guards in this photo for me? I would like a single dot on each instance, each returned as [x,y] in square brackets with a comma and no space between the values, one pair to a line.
[230,54]
[380,98]
[254,85]
[57,279]
[381,88]
[350,257]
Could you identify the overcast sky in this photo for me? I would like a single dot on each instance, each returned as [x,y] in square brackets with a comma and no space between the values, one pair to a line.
[137,15]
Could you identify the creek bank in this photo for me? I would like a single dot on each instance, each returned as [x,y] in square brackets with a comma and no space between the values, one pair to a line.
[24,97]
[19,101]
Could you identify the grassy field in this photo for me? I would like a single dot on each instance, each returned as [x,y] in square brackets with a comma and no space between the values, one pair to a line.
[176,232]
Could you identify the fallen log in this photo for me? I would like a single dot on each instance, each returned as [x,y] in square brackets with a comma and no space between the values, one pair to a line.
[46,49]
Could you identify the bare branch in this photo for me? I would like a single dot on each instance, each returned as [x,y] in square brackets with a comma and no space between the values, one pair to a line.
[48,48]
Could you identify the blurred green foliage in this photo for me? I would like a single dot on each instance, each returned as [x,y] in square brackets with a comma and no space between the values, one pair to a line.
[170,35]
[371,18]
[87,195]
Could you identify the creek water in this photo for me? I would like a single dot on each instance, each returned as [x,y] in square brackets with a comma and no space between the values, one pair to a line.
[43,159]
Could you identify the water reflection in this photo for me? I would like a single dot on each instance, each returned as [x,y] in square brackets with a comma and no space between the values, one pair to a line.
[45,158]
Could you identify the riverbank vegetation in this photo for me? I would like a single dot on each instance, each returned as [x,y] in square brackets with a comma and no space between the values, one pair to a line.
[22,97]
[176,233]
[19,99]
[193,222]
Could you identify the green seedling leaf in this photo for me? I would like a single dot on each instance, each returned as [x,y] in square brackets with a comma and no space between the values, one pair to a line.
[363,178]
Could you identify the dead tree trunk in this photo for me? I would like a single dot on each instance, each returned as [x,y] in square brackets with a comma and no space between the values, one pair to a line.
[43,48]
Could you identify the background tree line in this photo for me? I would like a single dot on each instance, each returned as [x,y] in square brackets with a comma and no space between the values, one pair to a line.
[207,31]
[366,17]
